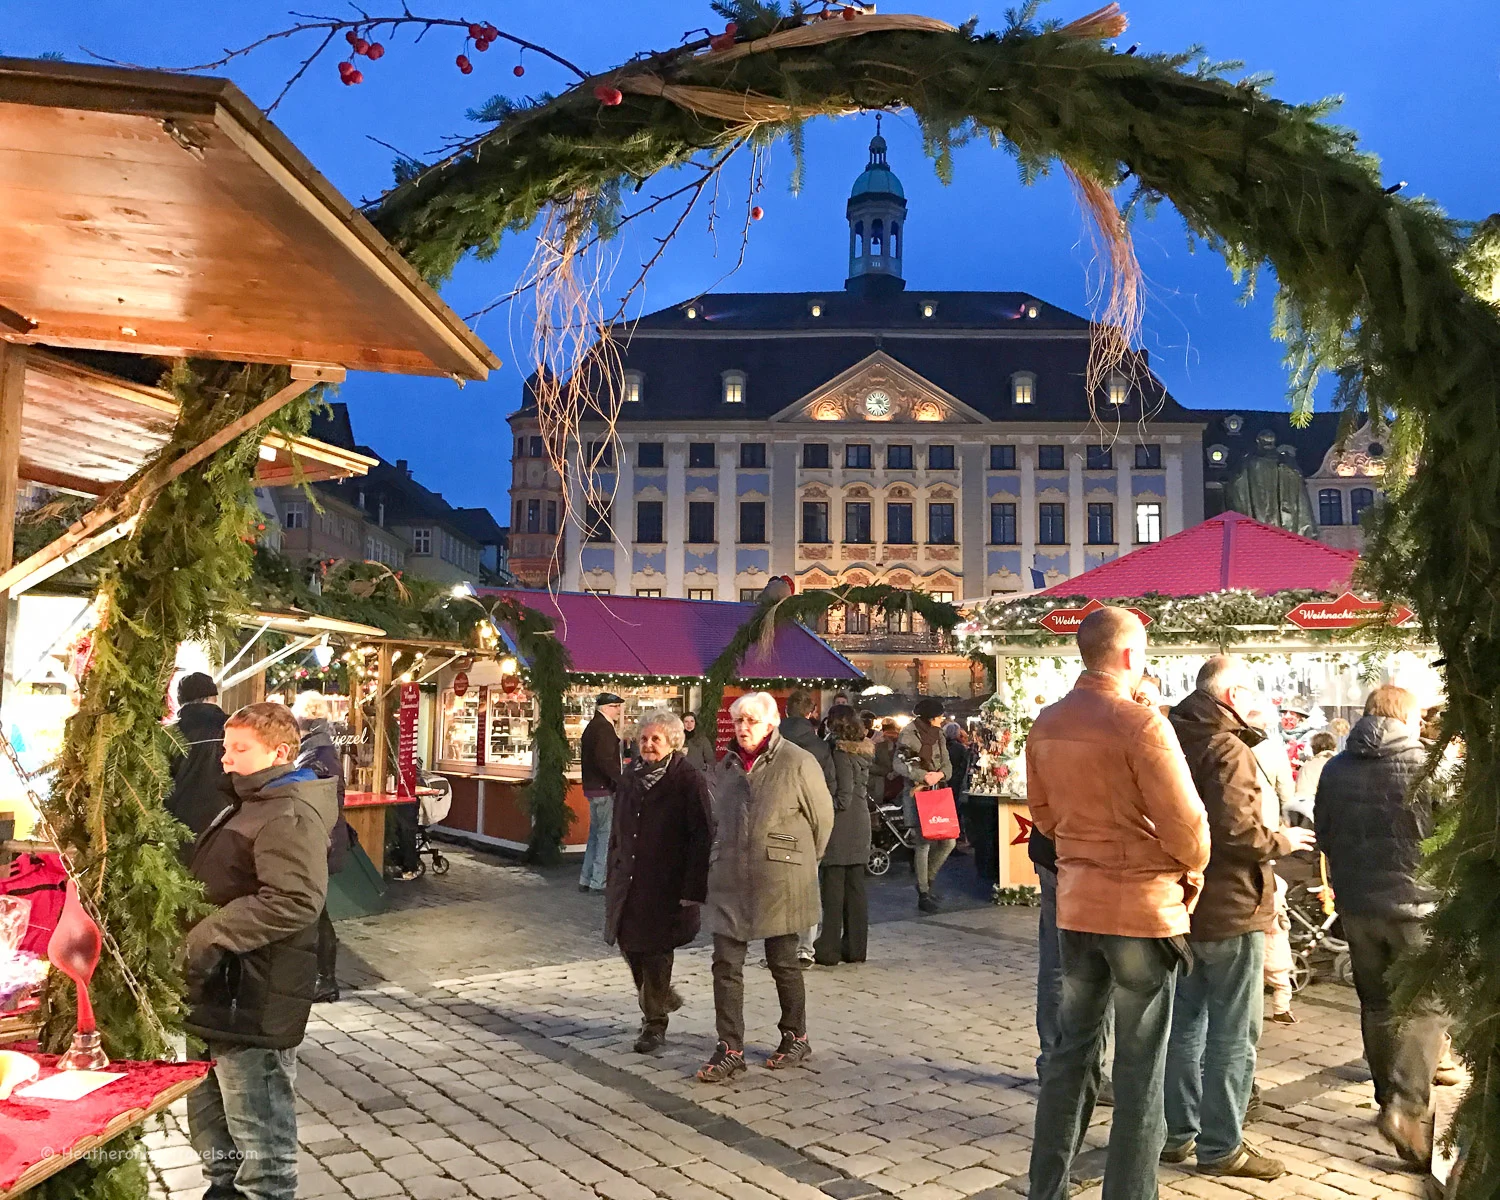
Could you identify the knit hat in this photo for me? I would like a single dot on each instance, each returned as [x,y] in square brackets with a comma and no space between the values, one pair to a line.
[929,707]
[196,686]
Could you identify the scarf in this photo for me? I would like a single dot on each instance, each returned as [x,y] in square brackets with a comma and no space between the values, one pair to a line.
[651,773]
[928,736]
[748,757]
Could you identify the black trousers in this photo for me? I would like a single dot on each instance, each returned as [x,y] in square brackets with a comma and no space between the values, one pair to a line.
[1403,1051]
[845,935]
[328,947]
[729,987]
[401,841]
[652,973]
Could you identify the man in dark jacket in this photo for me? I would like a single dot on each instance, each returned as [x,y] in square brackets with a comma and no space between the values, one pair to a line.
[200,791]
[599,758]
[660,841]
[1371,827]
[1218,1010]
[318,753]
[251,964]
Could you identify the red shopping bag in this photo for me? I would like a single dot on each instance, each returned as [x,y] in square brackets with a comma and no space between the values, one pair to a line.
[936,814]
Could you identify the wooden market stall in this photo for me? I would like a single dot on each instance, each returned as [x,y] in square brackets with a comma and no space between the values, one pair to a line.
[652,652]
[148,217]
[1230,584]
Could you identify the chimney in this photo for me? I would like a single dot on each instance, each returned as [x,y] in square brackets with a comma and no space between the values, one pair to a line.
[380,520]
[403,468]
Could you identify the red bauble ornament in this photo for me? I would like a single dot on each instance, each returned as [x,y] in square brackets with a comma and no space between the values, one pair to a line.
[476,32]
[356,76]
[608,96]
[351,37]
[721,41]
[518,70]
[464,64]
[490,32]
[482,44]
[731,29]
[757,213]
[375,52]
[344,69]
[850,14]
[361,46]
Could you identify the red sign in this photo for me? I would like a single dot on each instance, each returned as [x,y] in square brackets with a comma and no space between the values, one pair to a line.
[1347,612]
[1067,620]
[1023,834]
[460,683]
[481,726]
[509,683]
[406,738]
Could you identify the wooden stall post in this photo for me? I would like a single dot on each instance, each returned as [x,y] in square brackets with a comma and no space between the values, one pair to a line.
[382,684]
[12,393]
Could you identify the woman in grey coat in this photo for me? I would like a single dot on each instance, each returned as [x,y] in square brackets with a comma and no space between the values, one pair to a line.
[846,909]
[774,817]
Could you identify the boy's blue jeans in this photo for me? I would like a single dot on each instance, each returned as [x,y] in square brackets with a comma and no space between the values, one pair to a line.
[242,1121]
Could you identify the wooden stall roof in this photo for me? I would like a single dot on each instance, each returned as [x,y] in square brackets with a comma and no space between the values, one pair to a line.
[297,621]
[85,430]
[164,214]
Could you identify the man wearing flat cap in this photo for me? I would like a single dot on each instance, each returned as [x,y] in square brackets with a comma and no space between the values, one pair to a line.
[600,755]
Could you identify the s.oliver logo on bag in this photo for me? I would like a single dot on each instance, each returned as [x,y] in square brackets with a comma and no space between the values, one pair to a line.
[936,814]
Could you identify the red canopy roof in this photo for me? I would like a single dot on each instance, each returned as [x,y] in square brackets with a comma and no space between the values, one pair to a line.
[1227,551]
[649,635]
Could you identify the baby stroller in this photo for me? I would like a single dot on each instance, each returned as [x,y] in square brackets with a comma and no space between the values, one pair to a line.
[1314,932]
[431,809]
[888,834]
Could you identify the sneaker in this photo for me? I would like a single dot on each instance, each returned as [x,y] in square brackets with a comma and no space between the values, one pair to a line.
[408,876]
[1179,1154]
[1284,1018]
[650,1041]
[926,904]
[723,1066]
[793,1052]
[1244,1163]
[584,888]
[1410,1135]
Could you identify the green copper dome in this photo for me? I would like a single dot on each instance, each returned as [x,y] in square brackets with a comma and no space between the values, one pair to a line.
[877,177]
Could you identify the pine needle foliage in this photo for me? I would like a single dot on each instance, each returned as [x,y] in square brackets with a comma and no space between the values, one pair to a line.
[1370,280]
[174,581]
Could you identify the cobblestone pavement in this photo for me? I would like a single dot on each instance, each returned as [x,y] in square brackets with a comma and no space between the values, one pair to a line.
[512,1075]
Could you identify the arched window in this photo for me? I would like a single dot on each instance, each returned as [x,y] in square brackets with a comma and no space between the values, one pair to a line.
[1330,507]
[895,239]
[1359,500]
[877,236]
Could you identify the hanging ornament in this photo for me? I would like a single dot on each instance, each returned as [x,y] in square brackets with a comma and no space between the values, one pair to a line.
[757,213]
[376,52]
[518,70]
[608,96]
[464,65]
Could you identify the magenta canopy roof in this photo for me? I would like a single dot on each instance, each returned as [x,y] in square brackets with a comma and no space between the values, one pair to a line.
[1227,551]
[649,635]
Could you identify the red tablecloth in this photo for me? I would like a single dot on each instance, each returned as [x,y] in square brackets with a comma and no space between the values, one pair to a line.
[376,799]
[34,1133]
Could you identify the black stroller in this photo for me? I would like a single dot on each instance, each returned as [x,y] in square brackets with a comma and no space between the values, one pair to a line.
[888,834]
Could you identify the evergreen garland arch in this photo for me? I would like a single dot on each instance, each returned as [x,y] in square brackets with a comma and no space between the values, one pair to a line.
[1370,282]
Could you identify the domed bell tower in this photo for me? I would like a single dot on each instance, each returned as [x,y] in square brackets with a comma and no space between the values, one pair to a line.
[877,227]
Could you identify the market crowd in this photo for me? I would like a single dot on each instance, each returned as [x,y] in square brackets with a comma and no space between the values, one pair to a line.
[1163,921]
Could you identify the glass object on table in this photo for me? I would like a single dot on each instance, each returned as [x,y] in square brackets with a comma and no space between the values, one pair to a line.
[74,950]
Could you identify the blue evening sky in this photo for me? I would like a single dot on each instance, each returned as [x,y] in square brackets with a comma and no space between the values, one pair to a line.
[1421,86]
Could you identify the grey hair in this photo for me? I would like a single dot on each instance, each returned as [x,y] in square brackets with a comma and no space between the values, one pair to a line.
[661,718]
[1220,672]
[762,704]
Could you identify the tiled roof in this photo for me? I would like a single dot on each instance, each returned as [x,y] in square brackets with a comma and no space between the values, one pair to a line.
[1227,551]
[641,635]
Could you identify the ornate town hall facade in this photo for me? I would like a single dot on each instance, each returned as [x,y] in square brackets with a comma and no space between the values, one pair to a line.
[871,433]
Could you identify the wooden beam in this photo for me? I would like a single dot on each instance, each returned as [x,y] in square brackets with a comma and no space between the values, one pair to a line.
[12,401]
[382,685]
[61,481]
[121,529]
[133,501]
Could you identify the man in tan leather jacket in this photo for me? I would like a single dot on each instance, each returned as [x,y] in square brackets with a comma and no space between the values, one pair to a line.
[1107,782]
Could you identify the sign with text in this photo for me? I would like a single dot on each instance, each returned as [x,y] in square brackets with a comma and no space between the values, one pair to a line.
[482,726]
[1067,620]
[406,737]
[461,684]
[1346,612]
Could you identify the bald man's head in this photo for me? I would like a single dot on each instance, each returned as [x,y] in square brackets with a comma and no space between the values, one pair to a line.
[1113,640]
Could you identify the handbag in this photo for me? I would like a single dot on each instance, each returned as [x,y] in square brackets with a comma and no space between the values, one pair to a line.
[936,814]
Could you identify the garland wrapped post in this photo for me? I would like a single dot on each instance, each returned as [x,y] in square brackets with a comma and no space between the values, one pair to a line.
[1378,285]
[174,581]
[803,608]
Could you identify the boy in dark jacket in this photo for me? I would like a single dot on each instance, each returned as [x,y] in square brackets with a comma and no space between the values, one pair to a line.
[252,962]
[1371,826]
[200,791]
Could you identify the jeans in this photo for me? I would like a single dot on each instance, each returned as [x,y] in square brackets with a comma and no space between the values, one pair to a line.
[1138,973]
[1402,1050]
[927,859]
[846,916]
[596,853]
[653,987]
[1049,977]
[242,1121]
[1216,1022]
[729,987]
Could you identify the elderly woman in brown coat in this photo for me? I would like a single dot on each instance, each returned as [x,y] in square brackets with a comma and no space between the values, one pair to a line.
[658,867]
[774,818]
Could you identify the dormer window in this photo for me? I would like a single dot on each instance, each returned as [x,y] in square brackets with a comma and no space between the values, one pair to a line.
[929,309]
[816,308]
[1119,389]
[691,312]
[1022,387]
[734,387]
[1233,424]
[1031,311]
[632,390]
[1218,455]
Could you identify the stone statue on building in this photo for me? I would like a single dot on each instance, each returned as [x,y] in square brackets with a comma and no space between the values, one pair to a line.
[1269,487]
